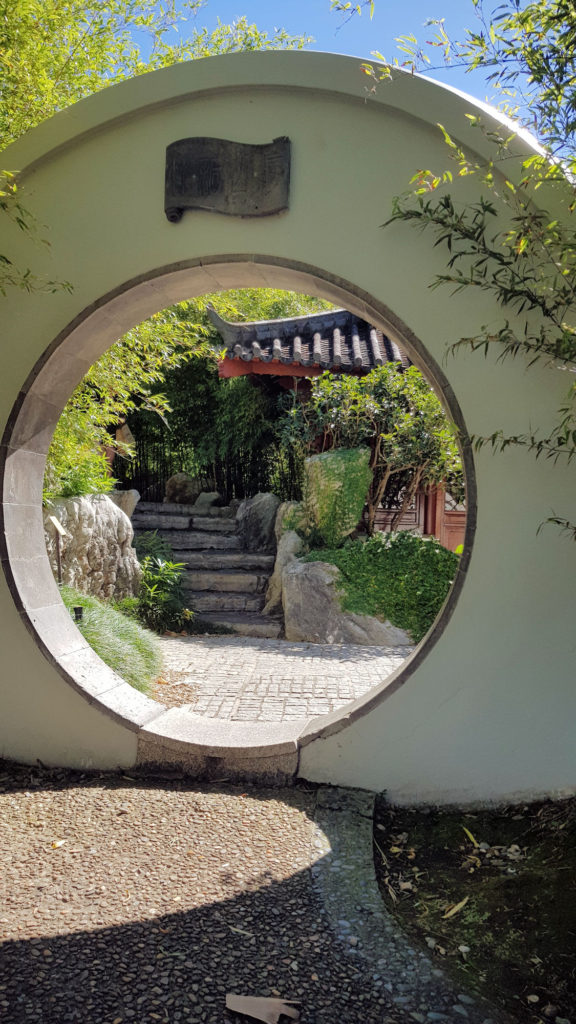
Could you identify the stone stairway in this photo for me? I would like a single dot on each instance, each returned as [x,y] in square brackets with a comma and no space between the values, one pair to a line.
[224,584]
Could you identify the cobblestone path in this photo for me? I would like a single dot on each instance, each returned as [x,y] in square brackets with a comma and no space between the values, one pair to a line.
[248,679]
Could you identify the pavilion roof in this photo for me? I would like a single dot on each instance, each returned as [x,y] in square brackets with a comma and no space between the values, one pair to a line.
[332,340]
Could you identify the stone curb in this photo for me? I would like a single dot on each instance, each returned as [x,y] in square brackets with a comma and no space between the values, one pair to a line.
[344,877]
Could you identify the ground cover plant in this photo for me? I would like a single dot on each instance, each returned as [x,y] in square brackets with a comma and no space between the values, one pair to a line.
[123,644]
[491,894]
[400,577]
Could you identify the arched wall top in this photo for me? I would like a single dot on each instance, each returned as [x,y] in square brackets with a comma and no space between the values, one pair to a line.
[413,96]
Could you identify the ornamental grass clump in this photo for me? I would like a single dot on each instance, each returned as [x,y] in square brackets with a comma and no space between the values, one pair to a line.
[125,646]
[400,577]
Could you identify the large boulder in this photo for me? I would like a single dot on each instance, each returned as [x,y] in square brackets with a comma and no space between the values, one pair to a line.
[96,553]
[182,489]
[336,485]
[313,613]
[289,546]
[256,518]
[126,500]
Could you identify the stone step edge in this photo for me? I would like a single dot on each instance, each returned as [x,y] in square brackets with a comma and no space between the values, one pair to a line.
[171,508]
[191,524]
[237,599]
[236,621]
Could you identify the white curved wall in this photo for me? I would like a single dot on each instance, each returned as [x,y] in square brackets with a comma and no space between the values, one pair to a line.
[489,711]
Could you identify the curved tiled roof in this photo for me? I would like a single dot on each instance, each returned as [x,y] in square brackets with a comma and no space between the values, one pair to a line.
[334,340]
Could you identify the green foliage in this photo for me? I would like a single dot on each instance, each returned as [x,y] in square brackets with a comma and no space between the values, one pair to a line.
[224,429]
[131,651]
[161,603]
[127,377]
[528,266]
[76,463]
[54,53]
[396,414]
[150,543]
[399,577]
[335,493]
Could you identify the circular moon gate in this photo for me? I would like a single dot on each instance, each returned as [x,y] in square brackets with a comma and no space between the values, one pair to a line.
[485,708]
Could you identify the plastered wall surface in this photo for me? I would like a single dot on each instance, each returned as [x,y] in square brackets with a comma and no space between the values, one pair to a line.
[487,710]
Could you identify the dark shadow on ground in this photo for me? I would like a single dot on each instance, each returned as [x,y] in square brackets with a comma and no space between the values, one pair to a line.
[272,938]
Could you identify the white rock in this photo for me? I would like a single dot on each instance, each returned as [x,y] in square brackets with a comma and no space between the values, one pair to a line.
[97,556]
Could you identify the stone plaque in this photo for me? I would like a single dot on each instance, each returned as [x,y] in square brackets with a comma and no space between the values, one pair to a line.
[227,177]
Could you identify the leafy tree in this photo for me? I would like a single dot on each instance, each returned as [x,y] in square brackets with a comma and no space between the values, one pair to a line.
[54,53]
[223,430]
[393,412]
[528,53]
[128,376]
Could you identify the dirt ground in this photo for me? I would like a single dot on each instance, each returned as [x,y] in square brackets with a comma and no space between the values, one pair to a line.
[492,894]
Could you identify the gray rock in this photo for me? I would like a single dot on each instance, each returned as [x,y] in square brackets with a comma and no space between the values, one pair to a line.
[97,553]
[205,500]
[126,500]
[182,489]
[256,518]
[313,613]
[289,546]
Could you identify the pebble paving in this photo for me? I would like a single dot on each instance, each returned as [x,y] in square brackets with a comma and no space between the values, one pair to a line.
[249,679]
[145,900]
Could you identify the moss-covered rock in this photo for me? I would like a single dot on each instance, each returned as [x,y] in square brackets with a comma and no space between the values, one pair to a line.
[291,515]
[336,485]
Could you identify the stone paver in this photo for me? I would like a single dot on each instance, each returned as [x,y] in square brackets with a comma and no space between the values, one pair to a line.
[251,679]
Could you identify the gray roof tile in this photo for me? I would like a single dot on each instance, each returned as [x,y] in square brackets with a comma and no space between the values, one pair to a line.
[334,340]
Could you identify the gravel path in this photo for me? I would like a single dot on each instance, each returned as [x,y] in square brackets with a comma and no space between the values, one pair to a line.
[146,900]
[248,679]
[162,897]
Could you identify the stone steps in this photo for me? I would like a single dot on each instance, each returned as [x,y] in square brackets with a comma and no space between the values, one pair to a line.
[223,584]
[221,581]
[212,601]
[155,521]
[192,540]
[171,508]
[211,561]
[246,623]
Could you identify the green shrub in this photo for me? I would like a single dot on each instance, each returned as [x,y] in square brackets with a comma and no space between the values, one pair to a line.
[149,542]
[161,603]
[131,651]
[400,577]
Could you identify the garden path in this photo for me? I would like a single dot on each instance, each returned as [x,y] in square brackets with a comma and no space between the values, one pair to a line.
[253,679]
[128,898]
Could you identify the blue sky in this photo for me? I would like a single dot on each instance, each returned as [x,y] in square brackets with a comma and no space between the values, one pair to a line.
[358,36]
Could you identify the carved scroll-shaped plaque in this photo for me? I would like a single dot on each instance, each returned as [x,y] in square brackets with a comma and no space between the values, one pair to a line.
[227,177]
